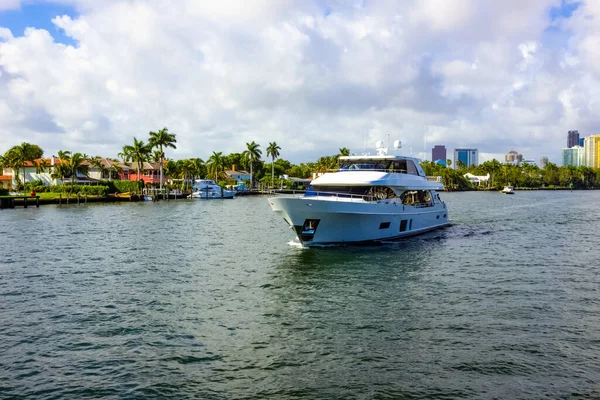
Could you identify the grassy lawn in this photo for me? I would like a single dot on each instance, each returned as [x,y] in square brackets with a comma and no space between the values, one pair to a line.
[64,196]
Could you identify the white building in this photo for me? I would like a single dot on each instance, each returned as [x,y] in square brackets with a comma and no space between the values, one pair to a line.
[477,180]
[574,156]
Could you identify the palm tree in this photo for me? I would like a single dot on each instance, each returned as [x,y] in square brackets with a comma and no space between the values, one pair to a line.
[76,164]
[216,164]
[273,152]
[97,162]
[17,156]
[252,154]
[139,153]
[344,151]
[162,139]
[114,170]
[41,166]
[60,171]
[188,169]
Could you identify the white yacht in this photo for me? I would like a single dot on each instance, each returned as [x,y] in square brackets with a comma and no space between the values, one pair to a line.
[369,198]
[207,189]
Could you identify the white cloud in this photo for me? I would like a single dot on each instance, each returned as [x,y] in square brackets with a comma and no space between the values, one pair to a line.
[219,74]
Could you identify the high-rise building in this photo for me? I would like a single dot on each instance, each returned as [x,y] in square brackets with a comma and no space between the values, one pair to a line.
[467,157]
[512,157]
[543,161]
[572,139]
[574,156]
[438,153]
[592,151]
[581,141]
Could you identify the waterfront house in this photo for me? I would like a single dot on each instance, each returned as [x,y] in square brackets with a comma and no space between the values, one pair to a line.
[477,180]
[107,169]
[299,183]
[239,176]
[5,181]
[32,173]
[150,173]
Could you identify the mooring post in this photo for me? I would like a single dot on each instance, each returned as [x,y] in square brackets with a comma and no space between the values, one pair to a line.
[25,201]
[37,201]
[60,199]
[85,198]
[78,197]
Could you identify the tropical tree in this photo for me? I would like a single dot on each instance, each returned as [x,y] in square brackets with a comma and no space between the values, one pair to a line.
[251,155]
[18,156]
[74,165]
[41,166]
[273,152]
[161,140]
[139,153]
[96,161]
[188,171]
[344,151]
[216,165]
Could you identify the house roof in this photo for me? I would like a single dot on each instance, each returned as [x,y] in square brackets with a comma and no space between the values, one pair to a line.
[37,160]
[237,172]
[5,178]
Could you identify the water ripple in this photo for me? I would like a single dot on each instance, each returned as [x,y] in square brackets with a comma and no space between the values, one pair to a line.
[216,300]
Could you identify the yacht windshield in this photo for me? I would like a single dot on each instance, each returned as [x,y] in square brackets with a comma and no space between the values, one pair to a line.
[366,192]
[398,166]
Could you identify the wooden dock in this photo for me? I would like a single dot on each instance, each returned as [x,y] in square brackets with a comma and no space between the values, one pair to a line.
[11,201]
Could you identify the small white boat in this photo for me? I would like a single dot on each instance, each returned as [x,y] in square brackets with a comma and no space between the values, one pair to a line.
[508,190]
[207,189]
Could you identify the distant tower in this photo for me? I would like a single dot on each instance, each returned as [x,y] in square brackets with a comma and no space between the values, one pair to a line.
[572,139]
[438,153]
[467,157]
[581,141]
[543,161]
[512,157]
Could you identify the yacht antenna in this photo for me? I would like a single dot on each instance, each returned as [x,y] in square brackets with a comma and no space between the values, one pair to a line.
[425,145]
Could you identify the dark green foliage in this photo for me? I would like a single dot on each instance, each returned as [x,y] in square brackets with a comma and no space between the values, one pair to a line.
[121,186]
[3,192]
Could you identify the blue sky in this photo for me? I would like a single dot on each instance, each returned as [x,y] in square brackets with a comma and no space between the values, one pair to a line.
[39,16]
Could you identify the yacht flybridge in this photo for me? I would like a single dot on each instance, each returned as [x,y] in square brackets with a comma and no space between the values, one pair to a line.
[369,198]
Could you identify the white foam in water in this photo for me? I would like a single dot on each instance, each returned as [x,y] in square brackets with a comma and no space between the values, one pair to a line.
[295,243]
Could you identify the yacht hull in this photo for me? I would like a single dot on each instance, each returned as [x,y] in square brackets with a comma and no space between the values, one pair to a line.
[227,194]
[329,221]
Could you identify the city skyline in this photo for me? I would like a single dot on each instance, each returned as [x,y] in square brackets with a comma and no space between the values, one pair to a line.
[313,76]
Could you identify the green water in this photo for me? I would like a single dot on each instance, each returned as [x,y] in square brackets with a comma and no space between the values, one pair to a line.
[212,299]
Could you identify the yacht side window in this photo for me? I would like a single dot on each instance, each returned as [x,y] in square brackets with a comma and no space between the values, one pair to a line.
[398,166]
[410,168]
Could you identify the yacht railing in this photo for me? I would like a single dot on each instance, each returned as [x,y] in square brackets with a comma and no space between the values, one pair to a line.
[343,196]
[395,171]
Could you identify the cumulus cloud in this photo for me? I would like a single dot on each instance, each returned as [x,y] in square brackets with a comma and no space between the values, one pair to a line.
[313,76]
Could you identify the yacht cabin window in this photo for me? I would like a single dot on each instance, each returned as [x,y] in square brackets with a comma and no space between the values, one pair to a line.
[417,198]
[399,166]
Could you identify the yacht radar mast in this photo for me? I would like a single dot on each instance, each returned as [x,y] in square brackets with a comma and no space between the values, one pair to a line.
[381,151]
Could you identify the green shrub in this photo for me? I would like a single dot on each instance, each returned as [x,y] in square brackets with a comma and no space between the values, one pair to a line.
[3,192]
[121,186]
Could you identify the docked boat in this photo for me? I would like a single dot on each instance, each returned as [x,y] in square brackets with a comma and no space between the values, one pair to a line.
[369,198]
[207,189]
[508,190]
